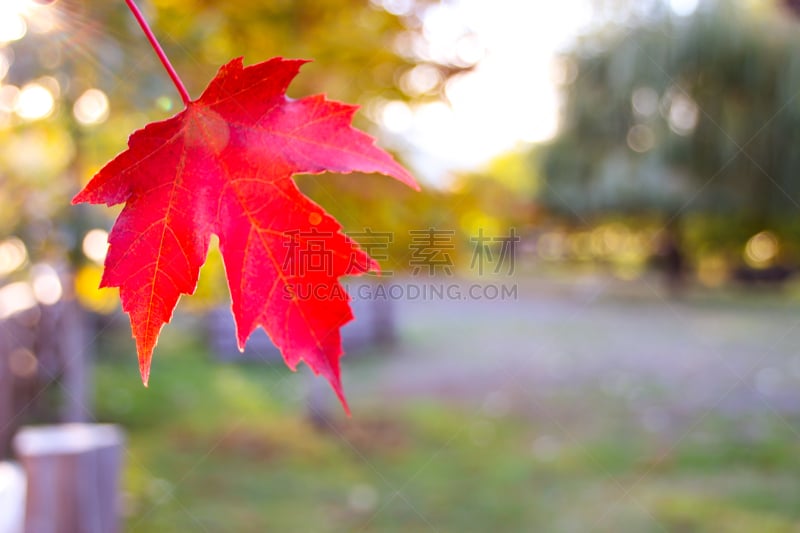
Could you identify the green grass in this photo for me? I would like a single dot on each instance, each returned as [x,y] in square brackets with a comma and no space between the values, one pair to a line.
[217,447]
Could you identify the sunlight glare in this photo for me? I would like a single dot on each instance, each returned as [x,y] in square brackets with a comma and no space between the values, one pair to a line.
[683,8]
[395,7]
[396,116]
[43,21]
[34,102]
[19,16]
[12,26]
[509,97]
[469,50]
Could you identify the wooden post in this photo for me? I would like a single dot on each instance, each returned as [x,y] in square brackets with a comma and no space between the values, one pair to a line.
[12,497]
[6,391]
[19,385]
[39,346]
[75,356]
[383,319]
[73,473]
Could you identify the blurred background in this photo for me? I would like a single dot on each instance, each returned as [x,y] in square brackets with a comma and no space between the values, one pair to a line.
[588,318]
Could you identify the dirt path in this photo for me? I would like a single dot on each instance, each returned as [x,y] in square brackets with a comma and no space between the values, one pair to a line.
[598,338]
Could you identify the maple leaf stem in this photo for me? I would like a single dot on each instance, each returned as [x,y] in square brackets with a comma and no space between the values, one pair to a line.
[159,51]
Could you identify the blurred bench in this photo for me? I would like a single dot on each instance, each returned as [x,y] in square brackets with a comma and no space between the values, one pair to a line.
[775,275]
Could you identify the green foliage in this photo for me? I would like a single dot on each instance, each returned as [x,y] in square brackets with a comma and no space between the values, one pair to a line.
[226,448]
[690,115]
[350,41]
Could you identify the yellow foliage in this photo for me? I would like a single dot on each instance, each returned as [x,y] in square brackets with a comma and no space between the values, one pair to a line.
[89,293]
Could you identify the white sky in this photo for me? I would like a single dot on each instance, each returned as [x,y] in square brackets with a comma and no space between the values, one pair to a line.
[510,99]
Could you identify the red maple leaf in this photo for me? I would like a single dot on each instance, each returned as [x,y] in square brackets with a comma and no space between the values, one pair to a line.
[223,165]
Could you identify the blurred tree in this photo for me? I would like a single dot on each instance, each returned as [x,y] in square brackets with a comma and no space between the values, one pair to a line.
[683,116]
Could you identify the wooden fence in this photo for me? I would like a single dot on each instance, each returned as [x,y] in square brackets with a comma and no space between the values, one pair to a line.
[44,368]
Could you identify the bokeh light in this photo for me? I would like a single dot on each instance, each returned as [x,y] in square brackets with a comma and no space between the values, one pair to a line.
[38,151]
[396,116]
[683,114]
[15,298]
[712,270]
[47,287]
[18,16]
[395,7]
[12,26]
[641,138]
[8,98]
[13,255]
[51,84]
[551,246]
[42,20]
[165,103]
[91,107]
[23,363]
[5,63]
[645,101]
[34,102]
[420,80]
[683,8]
[95,245]
[761,249]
